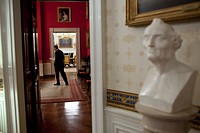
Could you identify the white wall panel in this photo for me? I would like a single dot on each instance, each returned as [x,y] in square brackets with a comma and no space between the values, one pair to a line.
[47,69]
[41,70]
[122,128]
[122,121]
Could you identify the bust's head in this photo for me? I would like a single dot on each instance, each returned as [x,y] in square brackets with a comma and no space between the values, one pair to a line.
[160,41]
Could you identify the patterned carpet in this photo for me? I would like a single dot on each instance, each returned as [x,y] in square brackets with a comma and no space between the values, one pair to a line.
[62,93]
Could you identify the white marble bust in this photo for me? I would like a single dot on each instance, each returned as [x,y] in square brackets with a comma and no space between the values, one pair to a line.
[169,85]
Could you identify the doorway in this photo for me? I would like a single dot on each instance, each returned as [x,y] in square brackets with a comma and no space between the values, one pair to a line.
[68,40]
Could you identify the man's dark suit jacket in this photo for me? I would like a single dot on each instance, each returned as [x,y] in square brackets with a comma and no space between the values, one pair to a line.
[59,59]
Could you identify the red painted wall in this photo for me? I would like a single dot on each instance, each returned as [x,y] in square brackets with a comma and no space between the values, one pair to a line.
[39,31]
[47,18]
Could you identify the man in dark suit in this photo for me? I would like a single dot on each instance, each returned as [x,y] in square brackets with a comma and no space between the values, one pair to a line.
[59,65]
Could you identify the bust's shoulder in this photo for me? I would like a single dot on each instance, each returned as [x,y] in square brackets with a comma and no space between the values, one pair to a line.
[183,68]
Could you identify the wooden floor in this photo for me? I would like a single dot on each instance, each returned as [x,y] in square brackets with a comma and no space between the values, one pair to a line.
[67,117]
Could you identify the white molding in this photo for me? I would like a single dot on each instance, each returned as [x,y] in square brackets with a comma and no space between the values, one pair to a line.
[123,121]
[122,113]
[122,128]
[97,62]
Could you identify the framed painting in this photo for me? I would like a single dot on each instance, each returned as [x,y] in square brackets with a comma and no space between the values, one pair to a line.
[141,12]
[65,42]
[87,10]
[87,39]
[64,14]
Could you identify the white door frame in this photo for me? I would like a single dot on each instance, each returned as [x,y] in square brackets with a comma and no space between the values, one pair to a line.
[11,40]
[97,64]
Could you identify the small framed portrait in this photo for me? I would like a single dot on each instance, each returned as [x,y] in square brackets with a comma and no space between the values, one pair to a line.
[64,14]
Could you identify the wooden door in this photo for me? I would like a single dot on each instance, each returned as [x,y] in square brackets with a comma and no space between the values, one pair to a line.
[30,66]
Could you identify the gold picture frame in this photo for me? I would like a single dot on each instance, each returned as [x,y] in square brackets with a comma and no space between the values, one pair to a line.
[87,39]
[170,13]
[64,14]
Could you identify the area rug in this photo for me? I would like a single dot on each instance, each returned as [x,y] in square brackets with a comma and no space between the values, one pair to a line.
[54,94]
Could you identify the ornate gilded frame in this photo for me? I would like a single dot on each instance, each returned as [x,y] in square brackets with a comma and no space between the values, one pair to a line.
[180,12]
[60,14]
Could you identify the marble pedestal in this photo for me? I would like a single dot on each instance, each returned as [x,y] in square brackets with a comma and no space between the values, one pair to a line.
[155,121]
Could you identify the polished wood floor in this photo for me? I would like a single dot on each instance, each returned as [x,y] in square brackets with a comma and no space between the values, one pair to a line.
[67,117]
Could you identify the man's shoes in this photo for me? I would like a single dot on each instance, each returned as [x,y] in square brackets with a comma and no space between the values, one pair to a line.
[56,84]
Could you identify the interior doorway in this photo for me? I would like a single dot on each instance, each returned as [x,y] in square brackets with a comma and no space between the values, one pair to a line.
[68,40]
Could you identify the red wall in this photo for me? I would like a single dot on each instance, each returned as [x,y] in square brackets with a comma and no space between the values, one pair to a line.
[47,18]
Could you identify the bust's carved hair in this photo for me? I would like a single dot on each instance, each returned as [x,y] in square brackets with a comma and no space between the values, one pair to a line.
[173,34]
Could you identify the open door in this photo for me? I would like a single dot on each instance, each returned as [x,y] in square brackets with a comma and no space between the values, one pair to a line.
[30,66]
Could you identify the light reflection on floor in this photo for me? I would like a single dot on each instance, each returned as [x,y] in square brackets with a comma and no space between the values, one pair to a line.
[71,105]
[72,109]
